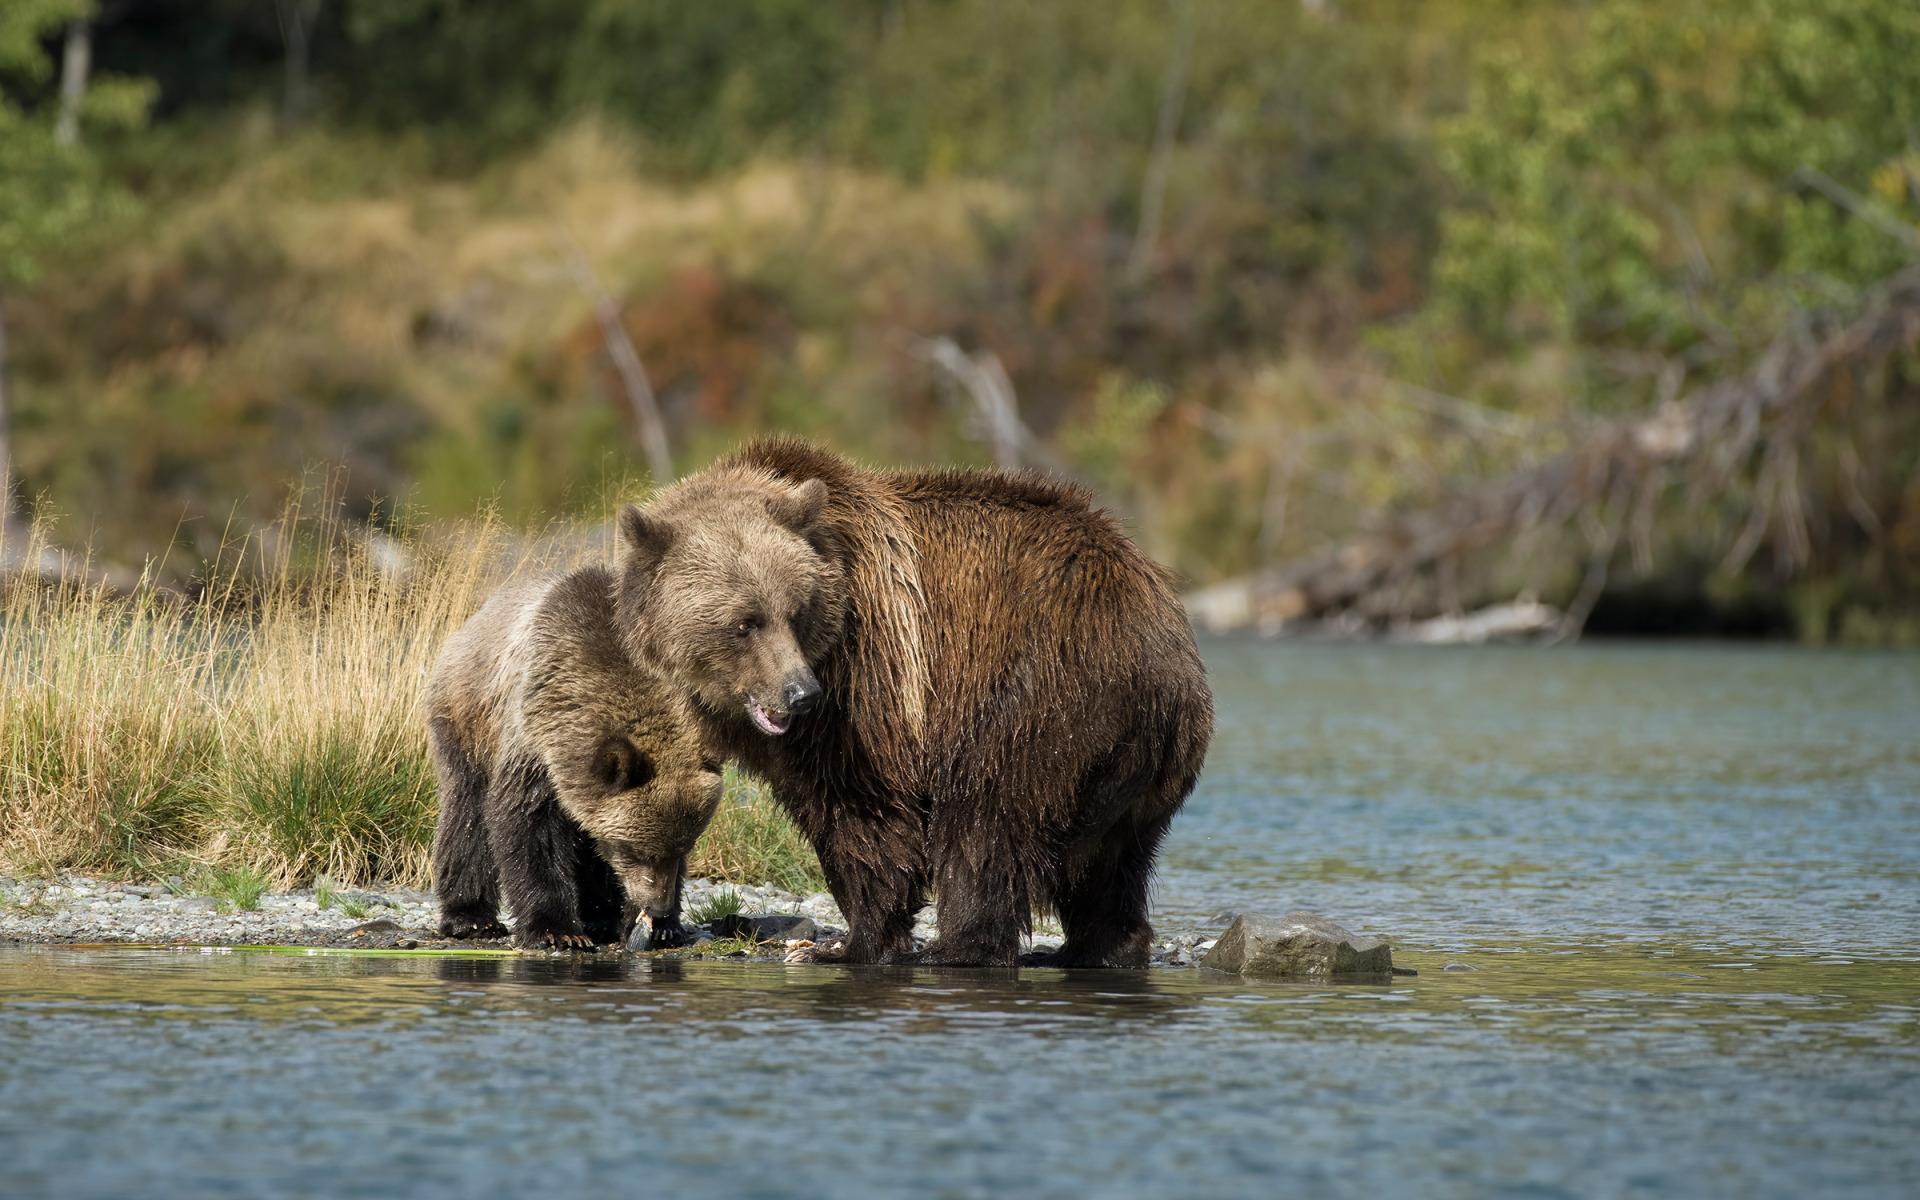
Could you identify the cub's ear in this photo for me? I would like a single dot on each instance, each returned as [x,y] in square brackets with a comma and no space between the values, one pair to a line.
[620,765]
[647,538]
[800,508]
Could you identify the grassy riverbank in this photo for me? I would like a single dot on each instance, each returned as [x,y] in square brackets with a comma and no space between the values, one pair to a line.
[272,720]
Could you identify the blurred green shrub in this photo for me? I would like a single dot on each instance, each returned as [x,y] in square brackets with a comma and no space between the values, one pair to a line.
[1670,176]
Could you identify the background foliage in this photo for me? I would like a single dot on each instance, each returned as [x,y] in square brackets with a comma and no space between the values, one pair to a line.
[1403,247]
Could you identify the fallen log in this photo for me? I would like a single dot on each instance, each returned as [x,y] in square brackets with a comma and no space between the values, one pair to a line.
[1748,436]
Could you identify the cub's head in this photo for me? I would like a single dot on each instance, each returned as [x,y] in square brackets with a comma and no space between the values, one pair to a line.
[648,785]
[732,587]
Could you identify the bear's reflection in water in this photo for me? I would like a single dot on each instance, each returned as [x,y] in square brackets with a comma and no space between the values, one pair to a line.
[719,994]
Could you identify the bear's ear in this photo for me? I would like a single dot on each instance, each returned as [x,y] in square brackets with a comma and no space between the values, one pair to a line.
[646,537]
[800,508]
[620,765]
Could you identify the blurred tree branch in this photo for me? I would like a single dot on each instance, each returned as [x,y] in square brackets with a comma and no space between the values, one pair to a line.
[995,418]
[297,20]
[1846,198]
[75,64]
[1153,188]
[626,359]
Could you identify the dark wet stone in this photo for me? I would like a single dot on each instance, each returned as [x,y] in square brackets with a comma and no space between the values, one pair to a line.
[1297,946]
[770,928]
[381,925]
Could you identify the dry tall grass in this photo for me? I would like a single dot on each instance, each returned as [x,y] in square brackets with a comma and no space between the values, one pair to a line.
[273,723]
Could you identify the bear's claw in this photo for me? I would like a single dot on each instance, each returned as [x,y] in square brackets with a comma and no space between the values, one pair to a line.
[463,928]
[554,939]
[667,937]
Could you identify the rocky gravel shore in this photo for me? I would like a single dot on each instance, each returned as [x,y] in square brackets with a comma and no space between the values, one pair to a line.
[68,909]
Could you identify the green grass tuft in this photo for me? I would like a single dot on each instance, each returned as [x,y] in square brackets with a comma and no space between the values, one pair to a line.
[724,947]
[237,887]
[323,895]
[723,903]
[357,909]
[752,841]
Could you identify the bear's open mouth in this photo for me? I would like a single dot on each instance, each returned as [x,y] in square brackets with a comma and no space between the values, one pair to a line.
[767,722]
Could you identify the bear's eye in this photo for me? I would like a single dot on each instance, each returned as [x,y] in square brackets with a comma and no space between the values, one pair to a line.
[746,627]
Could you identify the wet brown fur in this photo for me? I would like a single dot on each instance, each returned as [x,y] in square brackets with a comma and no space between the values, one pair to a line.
[1012,706]
[570,779]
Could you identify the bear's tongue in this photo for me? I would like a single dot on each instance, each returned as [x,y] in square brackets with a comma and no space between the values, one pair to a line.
[767,722]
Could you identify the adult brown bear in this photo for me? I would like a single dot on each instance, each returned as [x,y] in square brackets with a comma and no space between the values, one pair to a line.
[968,681]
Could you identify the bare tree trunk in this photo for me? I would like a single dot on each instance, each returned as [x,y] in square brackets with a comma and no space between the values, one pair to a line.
[297,19]
[996,412]
[626,359]
[995,416]
[74,69]
[1153,190]
[6,446]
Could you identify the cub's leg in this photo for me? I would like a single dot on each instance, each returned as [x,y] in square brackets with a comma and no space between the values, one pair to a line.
[600,893]
[464,877]
[652,890]
[535,844]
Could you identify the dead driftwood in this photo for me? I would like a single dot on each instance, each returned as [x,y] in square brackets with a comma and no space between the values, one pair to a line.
[633,375]
[991,411]
[1744,442]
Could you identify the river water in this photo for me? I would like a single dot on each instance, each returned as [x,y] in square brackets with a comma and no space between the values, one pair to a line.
[1687,880]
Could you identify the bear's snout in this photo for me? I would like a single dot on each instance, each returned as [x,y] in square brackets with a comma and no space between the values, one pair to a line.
[801,693]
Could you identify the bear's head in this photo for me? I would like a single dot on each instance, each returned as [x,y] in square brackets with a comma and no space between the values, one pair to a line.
[634,773]
[650,784]
[733,588]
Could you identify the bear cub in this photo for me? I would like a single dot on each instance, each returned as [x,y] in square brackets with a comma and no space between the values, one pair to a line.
[571,781]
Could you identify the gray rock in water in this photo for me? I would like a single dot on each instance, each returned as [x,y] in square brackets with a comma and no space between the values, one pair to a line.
[1297,946]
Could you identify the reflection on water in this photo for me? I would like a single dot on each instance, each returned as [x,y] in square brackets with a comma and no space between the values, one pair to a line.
[1581,1074]
[1686,883]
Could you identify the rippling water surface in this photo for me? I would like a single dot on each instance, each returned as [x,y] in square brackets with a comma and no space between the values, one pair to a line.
[1688,879]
